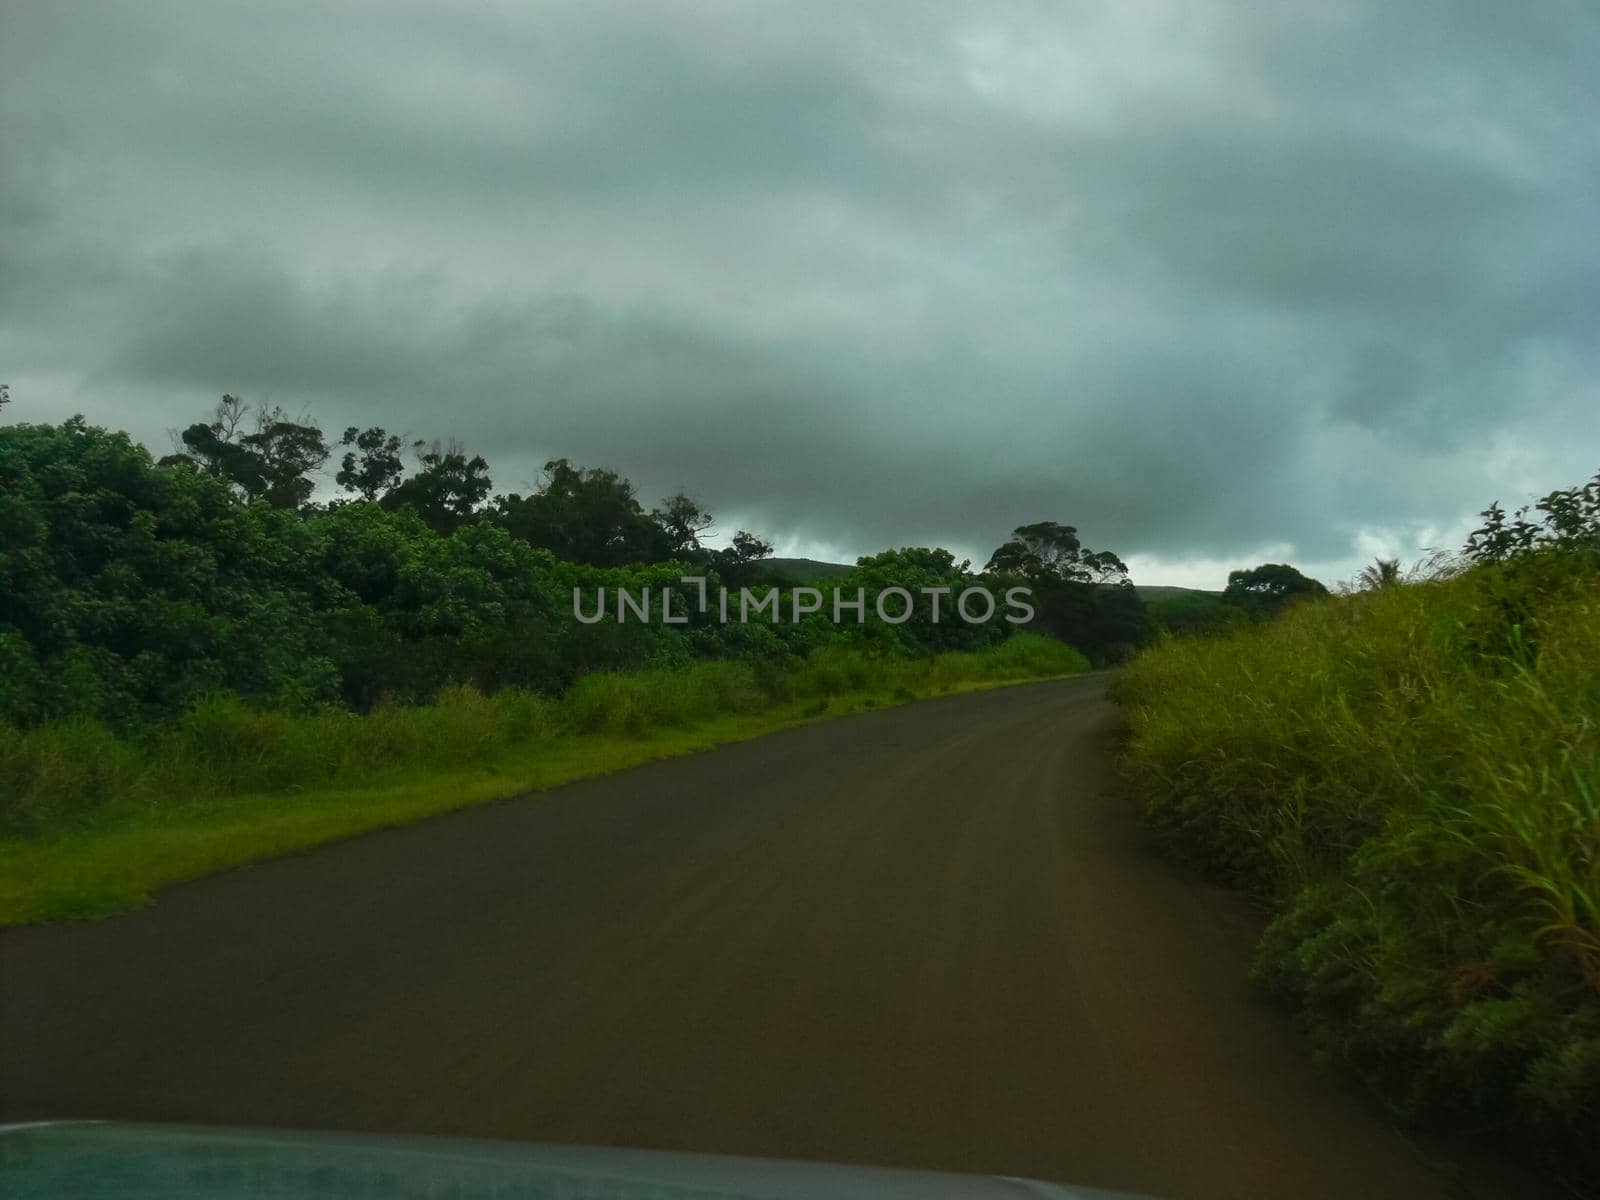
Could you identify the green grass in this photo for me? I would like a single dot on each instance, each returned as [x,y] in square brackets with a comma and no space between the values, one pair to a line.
[1411,776]
[93,824]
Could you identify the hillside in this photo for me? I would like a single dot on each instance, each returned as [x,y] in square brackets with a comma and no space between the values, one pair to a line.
[804,570]
[1161,591]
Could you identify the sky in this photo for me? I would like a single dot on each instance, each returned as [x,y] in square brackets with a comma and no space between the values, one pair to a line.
[1218,284]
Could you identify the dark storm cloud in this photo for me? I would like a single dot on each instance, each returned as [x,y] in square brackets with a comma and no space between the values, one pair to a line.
[1206,281]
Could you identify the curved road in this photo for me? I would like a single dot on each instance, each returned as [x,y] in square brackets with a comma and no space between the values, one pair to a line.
[930,936]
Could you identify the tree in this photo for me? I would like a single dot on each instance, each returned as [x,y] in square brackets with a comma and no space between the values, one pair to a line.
[735,564]
[916,569]
[272,464]
[129,592]
[747,547]
[1084,597]
[584,515]
[448,489]
[374,466]
[681,521]
[1049,552]
[212,449]
[287,452]
[1265,590]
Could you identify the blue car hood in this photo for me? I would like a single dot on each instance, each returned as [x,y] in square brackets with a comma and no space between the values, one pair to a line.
[93,1160]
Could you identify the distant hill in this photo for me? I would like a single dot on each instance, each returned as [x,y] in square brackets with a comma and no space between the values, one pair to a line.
[804,570]
[1160,591]
[809,570]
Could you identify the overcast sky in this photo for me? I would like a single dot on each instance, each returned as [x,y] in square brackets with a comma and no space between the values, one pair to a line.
[1215,283]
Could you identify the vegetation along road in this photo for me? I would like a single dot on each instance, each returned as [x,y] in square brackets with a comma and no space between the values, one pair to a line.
[929,936]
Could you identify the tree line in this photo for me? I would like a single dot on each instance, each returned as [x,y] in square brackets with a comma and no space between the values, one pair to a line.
[593,516]
[587,515]
[131,587]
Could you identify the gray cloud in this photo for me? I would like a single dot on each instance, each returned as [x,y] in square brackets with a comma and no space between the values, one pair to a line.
[1206,281]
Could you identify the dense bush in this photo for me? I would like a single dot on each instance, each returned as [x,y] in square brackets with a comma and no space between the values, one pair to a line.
[1196,613]
[130,590]
[1412,775]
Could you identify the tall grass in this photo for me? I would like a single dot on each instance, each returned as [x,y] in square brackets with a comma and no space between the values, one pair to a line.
[1412,776]
[56,776]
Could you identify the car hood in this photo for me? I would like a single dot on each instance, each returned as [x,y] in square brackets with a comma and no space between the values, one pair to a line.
[96,1160]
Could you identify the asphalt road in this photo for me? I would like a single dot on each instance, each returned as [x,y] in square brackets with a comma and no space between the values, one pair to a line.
[931,936]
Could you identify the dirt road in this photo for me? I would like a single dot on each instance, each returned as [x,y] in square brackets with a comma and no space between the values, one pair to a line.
[931,936]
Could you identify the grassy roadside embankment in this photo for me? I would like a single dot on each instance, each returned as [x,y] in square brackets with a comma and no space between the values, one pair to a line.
[1412,776]
[92,822]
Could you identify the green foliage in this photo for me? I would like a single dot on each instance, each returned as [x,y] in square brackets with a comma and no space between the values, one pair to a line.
[52,776]
[1084,597]
[159,607]
[1108,621]
[273,463]
[373,467]
[130,589]
[630,704]
[1049,552]
[1194,614]
[1569,520]
[681,521]
[739,563]
[127,590]
[446,492]
[1412,775]
[585,515]
[1266,590]
[914,569]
